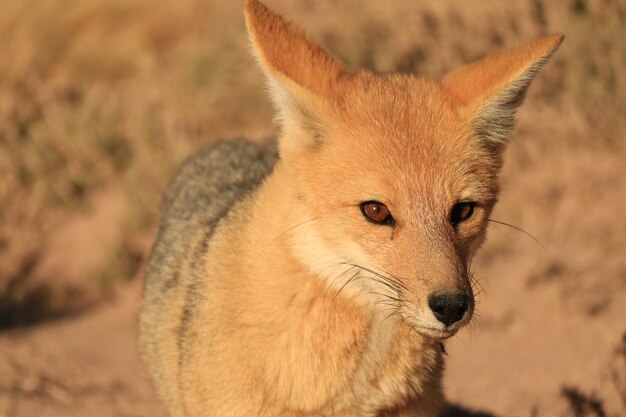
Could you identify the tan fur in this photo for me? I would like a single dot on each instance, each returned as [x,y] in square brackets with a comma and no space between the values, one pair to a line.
[288,302]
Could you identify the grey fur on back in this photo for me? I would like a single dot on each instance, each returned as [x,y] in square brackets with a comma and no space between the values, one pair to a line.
[202,193]
[206,186]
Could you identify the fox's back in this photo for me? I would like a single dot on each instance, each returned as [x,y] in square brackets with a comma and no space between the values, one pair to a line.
[202,193]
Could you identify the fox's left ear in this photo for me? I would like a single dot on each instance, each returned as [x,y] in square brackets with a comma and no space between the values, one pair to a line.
[492,88]
[302,76]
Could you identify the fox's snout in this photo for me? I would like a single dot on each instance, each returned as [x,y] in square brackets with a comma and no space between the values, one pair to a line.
[441,304]
[450,307]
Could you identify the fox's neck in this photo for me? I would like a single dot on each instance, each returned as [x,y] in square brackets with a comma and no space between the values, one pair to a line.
[270,261]
[285,247]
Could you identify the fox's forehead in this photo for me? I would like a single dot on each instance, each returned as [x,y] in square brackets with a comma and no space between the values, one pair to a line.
[407,138]
[414,176]
[401,111]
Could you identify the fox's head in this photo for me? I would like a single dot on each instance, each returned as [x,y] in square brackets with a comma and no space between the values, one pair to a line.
[394,175]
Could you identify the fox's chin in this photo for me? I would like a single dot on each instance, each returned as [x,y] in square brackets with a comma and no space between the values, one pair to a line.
[435,330]
[437,334]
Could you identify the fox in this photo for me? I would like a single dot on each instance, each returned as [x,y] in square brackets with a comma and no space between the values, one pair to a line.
[318,274]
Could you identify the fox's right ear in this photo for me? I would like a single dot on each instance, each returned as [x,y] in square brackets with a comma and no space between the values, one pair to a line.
[492,88]
[301,75]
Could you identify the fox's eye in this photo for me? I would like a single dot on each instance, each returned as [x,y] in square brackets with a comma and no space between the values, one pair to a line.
[376,212]
[461,212]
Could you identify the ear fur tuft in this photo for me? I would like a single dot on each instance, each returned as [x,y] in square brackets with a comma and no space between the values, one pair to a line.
[284,50]
[302,77]
[493,88]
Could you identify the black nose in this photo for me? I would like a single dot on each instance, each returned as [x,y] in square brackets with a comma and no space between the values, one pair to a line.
[448,307]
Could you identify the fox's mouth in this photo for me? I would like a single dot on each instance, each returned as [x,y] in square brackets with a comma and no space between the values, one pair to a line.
[437,330]
[431,328]
[438,334]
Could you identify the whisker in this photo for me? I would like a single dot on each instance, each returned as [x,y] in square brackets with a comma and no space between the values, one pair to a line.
[476,321]
[328,287]
[469,267]
[346,283]
[389,302]
[287,231]
[383,282]
[389,306]
[379,278]
[389,277]
[387,296]
[395,313]
[475,283]
[519,229]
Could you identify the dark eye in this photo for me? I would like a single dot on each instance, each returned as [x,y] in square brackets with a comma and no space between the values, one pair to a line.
[376,212]
[461,212]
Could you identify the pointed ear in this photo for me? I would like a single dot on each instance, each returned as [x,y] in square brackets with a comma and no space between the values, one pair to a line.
[492,88]
[301,74]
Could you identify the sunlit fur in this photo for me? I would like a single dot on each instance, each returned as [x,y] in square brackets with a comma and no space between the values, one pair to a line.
[301,307]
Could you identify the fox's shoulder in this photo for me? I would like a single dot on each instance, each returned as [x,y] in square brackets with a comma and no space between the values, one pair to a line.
[203,191]
[218,175]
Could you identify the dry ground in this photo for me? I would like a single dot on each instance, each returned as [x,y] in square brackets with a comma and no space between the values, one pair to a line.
[101,99]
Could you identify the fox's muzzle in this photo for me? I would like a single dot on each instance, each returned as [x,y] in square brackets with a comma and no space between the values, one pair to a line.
[449,307]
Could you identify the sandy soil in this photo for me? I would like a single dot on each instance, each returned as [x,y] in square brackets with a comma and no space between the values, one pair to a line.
[81,366]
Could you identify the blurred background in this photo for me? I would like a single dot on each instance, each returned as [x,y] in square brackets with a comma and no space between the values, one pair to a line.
[100,100]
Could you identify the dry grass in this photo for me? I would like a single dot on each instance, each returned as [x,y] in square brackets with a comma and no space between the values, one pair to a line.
[105,97]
